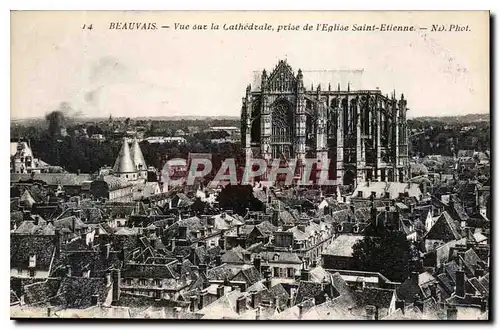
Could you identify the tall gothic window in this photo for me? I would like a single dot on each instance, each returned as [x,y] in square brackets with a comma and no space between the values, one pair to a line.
[281,128]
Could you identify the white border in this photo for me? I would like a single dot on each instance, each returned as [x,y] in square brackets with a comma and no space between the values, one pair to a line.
[8,5]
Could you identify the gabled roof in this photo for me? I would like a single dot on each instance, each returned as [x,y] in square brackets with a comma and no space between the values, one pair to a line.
[444,229]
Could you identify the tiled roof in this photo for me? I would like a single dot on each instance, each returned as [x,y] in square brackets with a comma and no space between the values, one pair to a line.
[280,257]
[342,245]
[23,247]
[77,292]
[52,179]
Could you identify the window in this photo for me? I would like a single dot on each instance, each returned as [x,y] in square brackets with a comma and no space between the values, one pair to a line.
[19,271]
[276,271]
[360,194]
[291,272]
[32,273]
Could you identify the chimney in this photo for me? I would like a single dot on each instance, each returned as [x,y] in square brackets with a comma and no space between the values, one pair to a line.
[123,254]
[57,241]
[49,311]
[400,304]
[94,299]
[218,260]
[116,276]
[451,313]
[193,257]
[301,311]
[433,289]
[107,250]
[108,279]
[255,299]
[484,305]
[222,241]
[267,282]
[179,268]
[289,302]
[460,283]
[304,275]
[182,232]
[203,299]
[192,303]
[203,269]
[370,312]
[257,261]
[220,291]
[414,278]
[241,304]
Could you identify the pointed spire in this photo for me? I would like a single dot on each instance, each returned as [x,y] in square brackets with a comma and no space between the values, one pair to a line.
[329,87]
[348,86]
[312,86]
[338,87]
[402,96]
[124,162]
[137,156]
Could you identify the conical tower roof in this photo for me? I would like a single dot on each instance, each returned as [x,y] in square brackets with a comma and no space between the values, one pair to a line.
[137,156]
[124,162]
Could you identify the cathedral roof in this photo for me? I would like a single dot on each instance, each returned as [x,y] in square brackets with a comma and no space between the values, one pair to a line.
[137,156]
[124,162]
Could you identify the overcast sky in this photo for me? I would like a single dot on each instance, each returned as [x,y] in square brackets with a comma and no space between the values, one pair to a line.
[166,72]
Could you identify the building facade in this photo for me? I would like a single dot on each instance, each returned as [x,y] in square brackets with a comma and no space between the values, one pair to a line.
[362,132]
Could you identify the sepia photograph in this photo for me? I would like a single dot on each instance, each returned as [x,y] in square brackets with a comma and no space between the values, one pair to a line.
[250,165]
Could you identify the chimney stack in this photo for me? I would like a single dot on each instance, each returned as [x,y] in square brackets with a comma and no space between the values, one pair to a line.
[301,311]
[400,304]
[192,303]
[218,259]
[57,241]
[460,283]
[203,269]
[241,304]
[257,261]
[220,291]
[116,276]
[451,313]
[203,300]
[255,302]
[414,278]
[94,299]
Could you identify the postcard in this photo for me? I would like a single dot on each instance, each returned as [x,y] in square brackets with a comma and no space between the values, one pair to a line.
[250,165]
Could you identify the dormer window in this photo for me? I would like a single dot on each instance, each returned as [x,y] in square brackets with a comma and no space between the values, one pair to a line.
[276,257]
[32,262]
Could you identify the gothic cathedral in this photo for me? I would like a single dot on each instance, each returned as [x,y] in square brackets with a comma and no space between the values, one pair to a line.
[363,133]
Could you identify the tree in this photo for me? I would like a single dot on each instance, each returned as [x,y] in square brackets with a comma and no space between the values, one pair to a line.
[387,253]
[239,199]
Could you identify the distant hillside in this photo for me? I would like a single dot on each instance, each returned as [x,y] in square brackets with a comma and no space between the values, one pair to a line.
[463,119]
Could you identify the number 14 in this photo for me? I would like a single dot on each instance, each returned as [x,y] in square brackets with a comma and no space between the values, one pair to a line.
[88,27]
